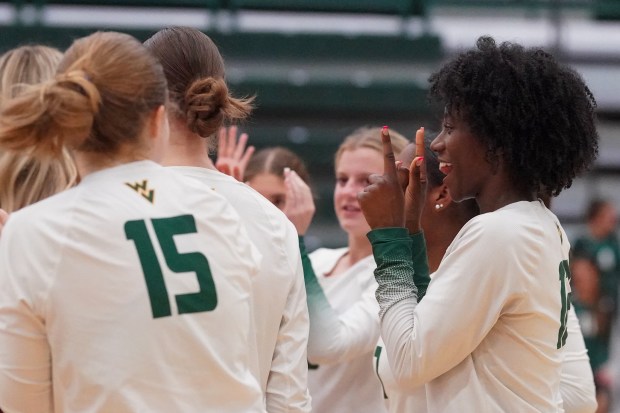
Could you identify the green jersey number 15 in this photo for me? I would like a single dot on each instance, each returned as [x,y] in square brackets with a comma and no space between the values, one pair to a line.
[165,229]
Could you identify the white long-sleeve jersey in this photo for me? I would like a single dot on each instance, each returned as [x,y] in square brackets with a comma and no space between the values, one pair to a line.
[279,299]
[344,331]
[488,334]
[576,383]
[128,293]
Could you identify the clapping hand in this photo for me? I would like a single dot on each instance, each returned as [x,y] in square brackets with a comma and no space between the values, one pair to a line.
[299,205]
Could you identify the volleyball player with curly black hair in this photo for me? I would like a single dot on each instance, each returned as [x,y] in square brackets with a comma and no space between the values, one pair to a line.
[522,104]
[490,332]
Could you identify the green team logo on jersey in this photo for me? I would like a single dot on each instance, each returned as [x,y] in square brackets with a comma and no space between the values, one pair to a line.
[142,189]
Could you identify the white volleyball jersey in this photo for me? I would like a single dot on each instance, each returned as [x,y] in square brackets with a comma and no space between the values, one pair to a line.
[342,378]
[279,300]
[576,382]
[488,333]
[128,293]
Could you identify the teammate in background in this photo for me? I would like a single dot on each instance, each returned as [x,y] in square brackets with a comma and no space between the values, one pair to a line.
[488,334]
[131,291]
[441,220]
[281,176]
[25,179]
[200,104]
[600,241]
[344,326]
[276,173]
[265,172]
[599,244]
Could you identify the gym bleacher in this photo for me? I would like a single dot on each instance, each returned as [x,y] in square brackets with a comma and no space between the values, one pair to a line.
[321,68]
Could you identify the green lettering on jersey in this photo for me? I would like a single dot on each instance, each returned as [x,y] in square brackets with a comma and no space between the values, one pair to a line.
[565,297]
[378,356]
[312,366]
[165,230]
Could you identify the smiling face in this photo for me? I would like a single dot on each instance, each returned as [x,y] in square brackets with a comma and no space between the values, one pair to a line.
[463,159]
[352,171]
[271,187]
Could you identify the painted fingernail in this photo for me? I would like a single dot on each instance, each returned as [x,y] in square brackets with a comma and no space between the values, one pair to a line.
[384,130]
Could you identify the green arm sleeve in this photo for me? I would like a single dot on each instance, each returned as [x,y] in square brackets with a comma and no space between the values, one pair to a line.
[309,276]
[337,337]
[401,262]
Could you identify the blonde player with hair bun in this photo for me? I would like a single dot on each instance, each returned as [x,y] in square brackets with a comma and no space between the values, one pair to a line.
[25,179]
[130,291]
[344,322]
[344,327]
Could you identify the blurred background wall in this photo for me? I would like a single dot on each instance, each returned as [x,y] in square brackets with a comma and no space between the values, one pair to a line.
[322,68]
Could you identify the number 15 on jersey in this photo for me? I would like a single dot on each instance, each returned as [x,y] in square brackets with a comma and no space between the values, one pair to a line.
[165,229]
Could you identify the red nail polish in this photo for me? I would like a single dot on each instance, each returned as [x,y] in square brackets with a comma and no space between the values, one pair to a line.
[385,127]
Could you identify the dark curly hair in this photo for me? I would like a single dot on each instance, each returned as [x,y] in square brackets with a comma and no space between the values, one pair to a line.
[523,105]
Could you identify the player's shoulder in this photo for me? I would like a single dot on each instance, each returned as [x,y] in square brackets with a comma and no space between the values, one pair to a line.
[254,209]
[509,224]
[53,207]
[50,216]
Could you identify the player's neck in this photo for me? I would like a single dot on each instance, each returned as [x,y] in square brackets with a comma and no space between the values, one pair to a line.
[90,162]
[438,240]
[186,148]
[441,234]
[359,248]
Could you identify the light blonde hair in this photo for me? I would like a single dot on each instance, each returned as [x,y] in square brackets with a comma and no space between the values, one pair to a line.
[24,179]
[25,66]
[106,88]
[370,137]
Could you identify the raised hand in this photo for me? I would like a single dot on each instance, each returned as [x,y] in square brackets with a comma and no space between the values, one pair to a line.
[383,201]
[232,155]
[415,194]
[299,204]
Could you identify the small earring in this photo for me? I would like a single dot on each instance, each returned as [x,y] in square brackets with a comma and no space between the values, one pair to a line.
[438,206]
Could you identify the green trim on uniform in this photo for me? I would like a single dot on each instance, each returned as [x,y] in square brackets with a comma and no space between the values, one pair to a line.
[396,272]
